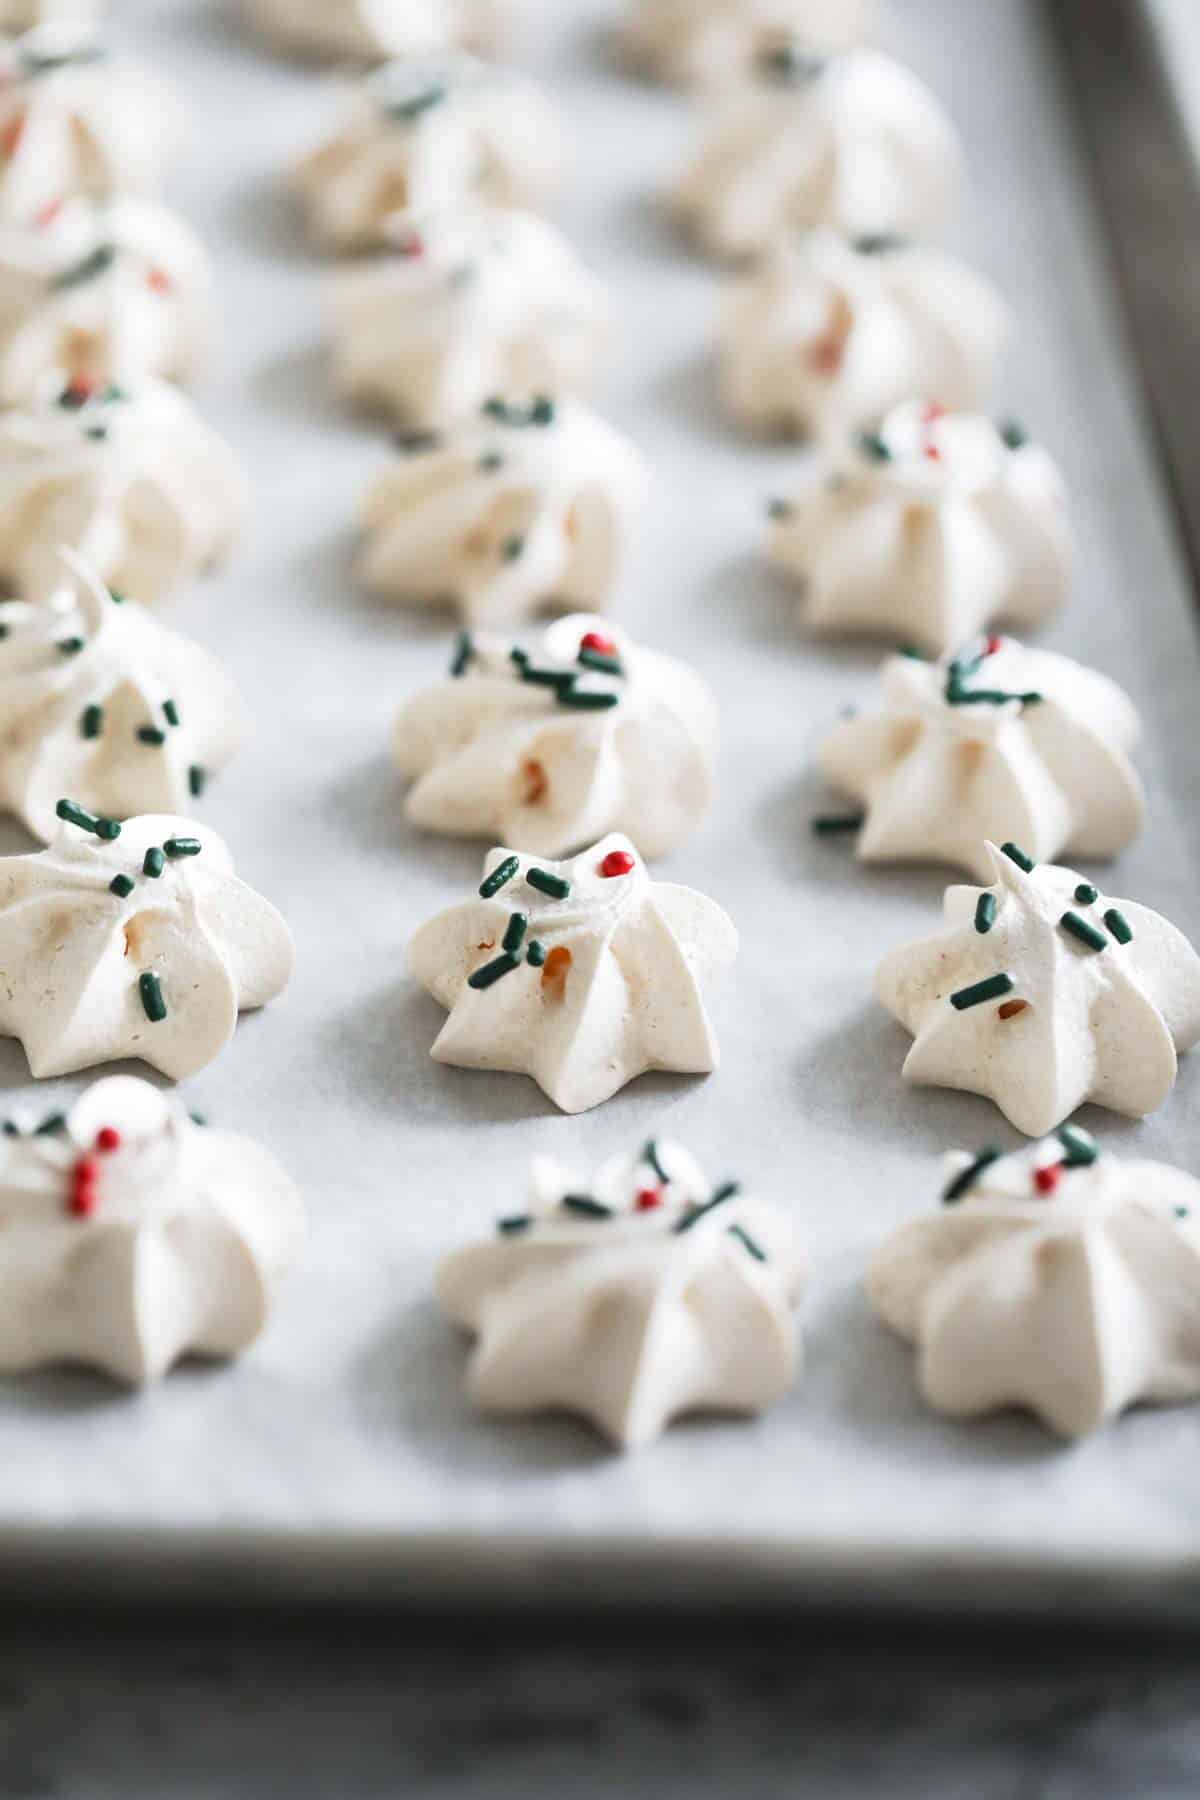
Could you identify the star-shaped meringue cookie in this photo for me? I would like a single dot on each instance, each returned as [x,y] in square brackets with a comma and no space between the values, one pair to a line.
[583,974]
[130,1236]
[132,940]
[1055,1279]
[644,1295]
[997,742]
[1042,993]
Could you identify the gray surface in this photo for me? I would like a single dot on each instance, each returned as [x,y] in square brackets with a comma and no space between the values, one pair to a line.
[341,1449]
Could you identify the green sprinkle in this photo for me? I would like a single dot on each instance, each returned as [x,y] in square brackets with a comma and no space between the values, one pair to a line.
[515,1223]
[197,780]
[961,696]
[74,814]
[121,886]
[727,1191]
[874,448]
[513,548]
[11,1128]
[492,972]
[1119,925]
[879,243]
[1014,435]
[546,883]
[1083,931]
[416,443]
[97,433]
[587,699]
[650,1155]
[535,955]
[985,913]
[554,678]
[152,998]
[518,656]
[1080,1146]
[834,824]
[779,510]
[542,411]
[407,110]
[116,596]
[747,1242]
[198,1118]
[490,461]
[500,876]
[170,712]
[961,1183]
[464,649]
[52,1123]
[514,937]
[100,259]
[603,665]
[177,846]
[981,991]
[1015,854]
[70,646]
[153,863]
[1086,894]
[586,1207]
[914,652]
[1183,1212]
[150,734]
[91,723]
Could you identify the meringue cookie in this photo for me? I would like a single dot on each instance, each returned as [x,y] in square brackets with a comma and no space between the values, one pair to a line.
[74,121]
[426,137]
[582,974]
[630,1301]
[132,940]
[99,701]
[1042,994]
[374,29]
[131,478]
[473,303]
[854,142]
[998,742]
[100,293]
[551,750]
[527,510]
[133,1237]
[929,531]
[826,336]
[699,41]
[1057,1279]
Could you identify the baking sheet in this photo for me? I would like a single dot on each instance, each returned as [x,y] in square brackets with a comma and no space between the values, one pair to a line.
[340,1454]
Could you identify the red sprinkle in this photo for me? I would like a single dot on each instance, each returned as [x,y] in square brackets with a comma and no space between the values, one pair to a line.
[1046,1180]
[412,244]
[617,862]
[81,387]
[159,280]
[48,213]
[648,1199]
[596,640]
[994,644]
[108,1138]
[10,137]
[83,1203]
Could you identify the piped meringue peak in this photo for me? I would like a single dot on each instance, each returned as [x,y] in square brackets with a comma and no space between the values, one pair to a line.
[550,749]
[425,137]
[99,701]
[853,142]
[928,531]
[827,336]
[482,301]
[583,974]
[132,1237]
[997,742]
[645,1294]
[75,121]
[1056,1279]
[130,477]
[100,292]
[701,41]
[1041,993]
[372,29]
[132,939]
[526,510]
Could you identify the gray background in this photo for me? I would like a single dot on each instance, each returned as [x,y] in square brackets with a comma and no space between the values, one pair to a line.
[339,1454]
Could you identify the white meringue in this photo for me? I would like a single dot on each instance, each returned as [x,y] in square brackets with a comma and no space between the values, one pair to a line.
[583,974]
[854,142]
[1042,994]
[101,292]
[472,303]
[74,121]
[130,1236]
[1056,1279]
[700,41]
[426,137]
[998,742]
[80,678]
[527,510]
[131,478]
[374,29]
[550,750]
[929,531]
[630,1301]
[827,336]
[101,957]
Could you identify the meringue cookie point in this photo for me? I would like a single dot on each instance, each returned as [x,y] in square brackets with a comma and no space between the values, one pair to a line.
[561,1301]
[601,982]
[1085,1014]
[1056,1279]
[131,1238]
